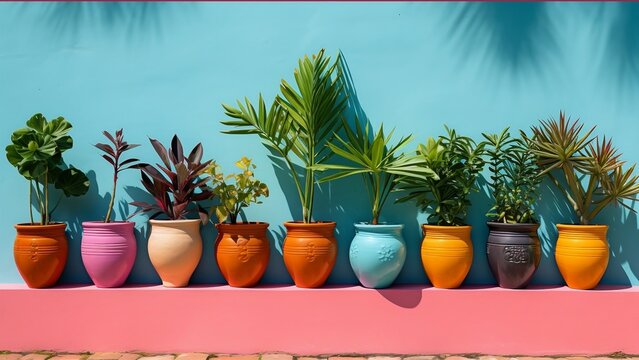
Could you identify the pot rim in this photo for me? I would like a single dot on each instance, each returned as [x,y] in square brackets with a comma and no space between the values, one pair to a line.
[39,226]
[170,222]
[364,225]
[248,224]
[428,226]
[580,226]
[512,227]
[97,224]
[315,224]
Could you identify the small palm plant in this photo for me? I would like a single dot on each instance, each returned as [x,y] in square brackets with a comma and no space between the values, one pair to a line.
[583,159]
[456,162]
[379,163]
[514,179]
[300,123]
[234,197]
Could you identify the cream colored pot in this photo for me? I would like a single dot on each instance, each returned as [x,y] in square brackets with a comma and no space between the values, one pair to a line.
[175,249]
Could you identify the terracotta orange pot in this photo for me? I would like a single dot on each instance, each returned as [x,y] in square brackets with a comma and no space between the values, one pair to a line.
[175,249]
[40,252]
[242,252]
[310,251]
[447,254]
[582,254]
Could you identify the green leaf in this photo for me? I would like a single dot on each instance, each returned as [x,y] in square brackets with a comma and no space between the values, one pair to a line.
[72,182]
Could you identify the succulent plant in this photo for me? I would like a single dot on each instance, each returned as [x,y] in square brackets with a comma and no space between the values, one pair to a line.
[36,152]
[113,154]
[583,158]
[173,184]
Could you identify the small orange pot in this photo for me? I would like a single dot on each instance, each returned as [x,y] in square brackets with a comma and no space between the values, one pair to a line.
[242,252]
[310,251]
[40,252]
[582,254]
[447,254]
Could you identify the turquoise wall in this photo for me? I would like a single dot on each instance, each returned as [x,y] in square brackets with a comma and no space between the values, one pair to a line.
[162,68]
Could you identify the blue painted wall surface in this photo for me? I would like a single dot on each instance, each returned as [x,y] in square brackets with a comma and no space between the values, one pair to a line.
[160,69]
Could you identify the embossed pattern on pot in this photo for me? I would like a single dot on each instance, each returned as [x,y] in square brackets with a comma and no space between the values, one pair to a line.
[377,254]
[40,253]
[242,252]
[582,254]
[310,251]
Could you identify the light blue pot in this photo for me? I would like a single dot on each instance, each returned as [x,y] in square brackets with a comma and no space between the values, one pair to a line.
[377,254]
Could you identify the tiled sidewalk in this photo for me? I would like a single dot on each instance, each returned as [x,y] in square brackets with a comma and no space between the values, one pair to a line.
[278,356]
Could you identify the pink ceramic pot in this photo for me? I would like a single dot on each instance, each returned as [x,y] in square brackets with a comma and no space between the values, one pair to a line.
[108,251]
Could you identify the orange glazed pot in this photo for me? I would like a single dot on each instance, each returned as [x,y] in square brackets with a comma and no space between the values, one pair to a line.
[40,252]
[310,251]
[582,254]
[242,252]
[447,254]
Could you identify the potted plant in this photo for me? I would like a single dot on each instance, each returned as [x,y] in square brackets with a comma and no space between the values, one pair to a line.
[297,127]
[513,247]
[447,248]
[590,174]
[108,247]
[40,249]
[378,251]
[241,248]
[175,244]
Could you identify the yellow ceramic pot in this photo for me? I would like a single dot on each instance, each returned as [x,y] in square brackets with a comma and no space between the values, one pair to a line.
[582,254]
[447,254]
[175,249]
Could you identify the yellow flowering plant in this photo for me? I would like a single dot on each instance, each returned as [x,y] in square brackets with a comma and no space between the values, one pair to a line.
[235,191]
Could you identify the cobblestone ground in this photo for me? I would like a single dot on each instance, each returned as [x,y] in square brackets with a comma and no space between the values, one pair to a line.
[44,355]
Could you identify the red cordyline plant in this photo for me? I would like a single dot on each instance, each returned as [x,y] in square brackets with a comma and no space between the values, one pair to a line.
[173,184]
[591,168]
[113,155]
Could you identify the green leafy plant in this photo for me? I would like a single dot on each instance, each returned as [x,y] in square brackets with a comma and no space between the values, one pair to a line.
[173,183]
[514,179]
[234,197]
[456,162]
[583,159]
[379,163]
[36,151]
[113,154]
[299,124]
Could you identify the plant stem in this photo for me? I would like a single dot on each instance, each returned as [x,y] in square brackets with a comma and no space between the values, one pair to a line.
[46,197]
[112,201]
[31,201]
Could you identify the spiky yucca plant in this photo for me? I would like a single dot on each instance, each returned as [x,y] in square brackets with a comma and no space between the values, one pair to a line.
[583,159]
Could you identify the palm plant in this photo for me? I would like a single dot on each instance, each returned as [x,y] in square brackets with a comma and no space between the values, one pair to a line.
[379,163]
[583,159]
[300,122]
[456,162]
[514,179]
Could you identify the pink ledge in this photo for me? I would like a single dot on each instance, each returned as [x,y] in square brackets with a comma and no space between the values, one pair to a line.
[347,319]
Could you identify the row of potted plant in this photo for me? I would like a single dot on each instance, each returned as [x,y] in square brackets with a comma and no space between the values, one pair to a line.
[304,126]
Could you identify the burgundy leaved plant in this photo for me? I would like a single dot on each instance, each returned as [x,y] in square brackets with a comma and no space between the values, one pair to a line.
[113,155]
[173,184]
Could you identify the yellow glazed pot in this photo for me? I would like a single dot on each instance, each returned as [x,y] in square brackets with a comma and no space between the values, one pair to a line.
[447,254]
[582,254]
[175,249]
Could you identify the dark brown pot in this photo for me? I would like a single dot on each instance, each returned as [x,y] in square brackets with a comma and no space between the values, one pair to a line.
[513,252]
